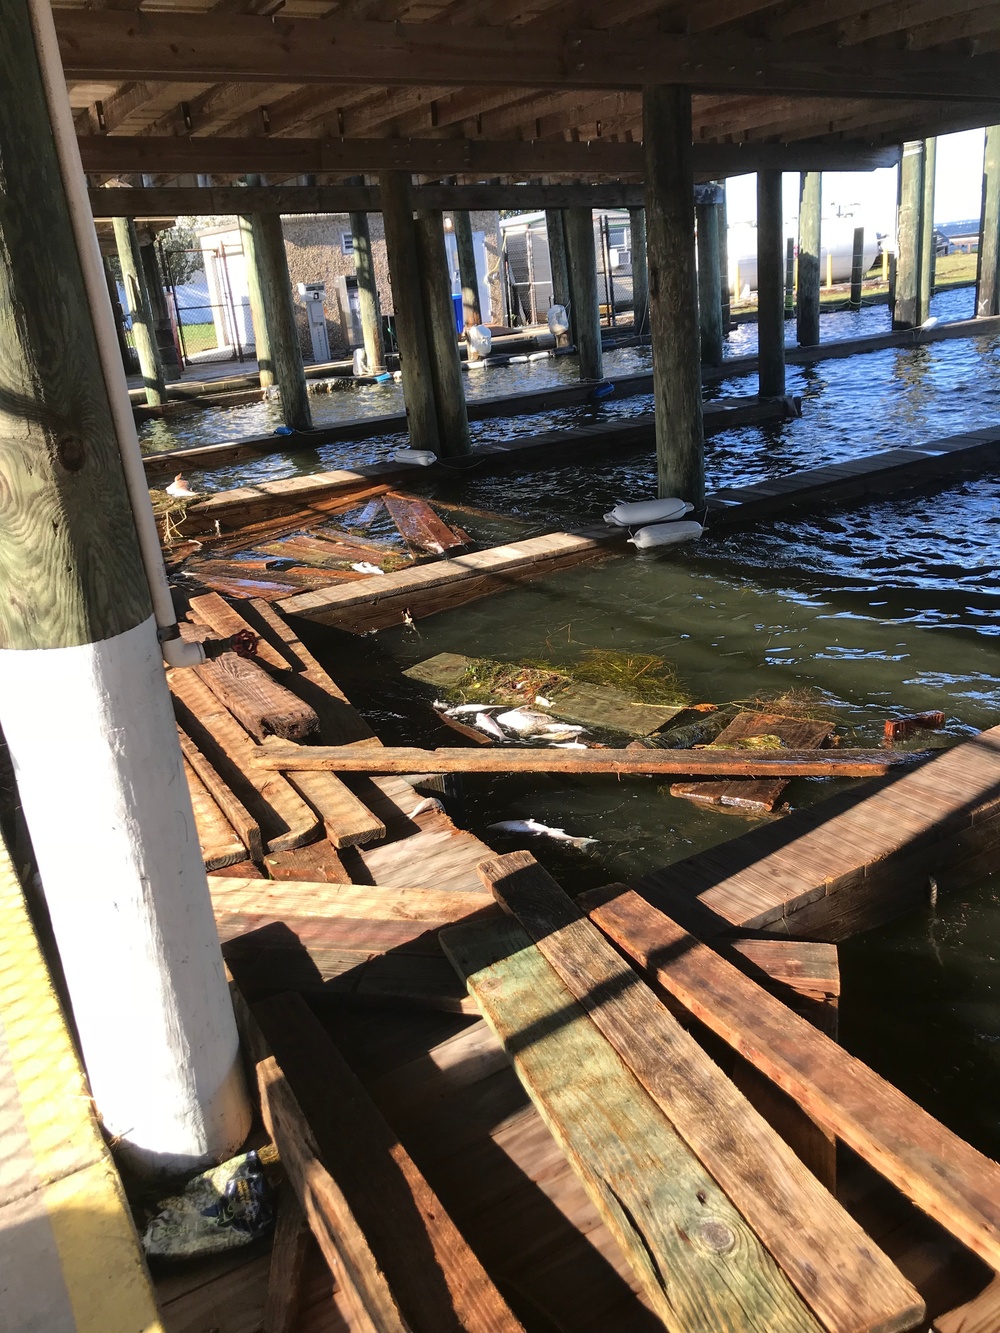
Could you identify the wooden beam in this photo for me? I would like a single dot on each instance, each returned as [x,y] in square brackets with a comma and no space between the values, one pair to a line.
[113,44]
[707,763]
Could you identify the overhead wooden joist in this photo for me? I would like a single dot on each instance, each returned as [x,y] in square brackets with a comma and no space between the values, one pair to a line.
[185,48]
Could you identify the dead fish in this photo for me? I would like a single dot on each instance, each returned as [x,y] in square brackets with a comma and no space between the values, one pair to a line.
[524,722]
[365,567]
[567,745]
[560,733]
[428,803]
[485,723]
[542,702]
[542,830]
[460,709]
[180,490]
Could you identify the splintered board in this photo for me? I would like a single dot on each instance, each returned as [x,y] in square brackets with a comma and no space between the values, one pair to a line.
[762,796]
[421,527]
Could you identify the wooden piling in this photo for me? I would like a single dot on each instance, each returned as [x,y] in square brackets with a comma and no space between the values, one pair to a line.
[83,701]
[368,303]
[927,230]
[673,294]
[117,315]
[581,258]
[442,336]
[857,267]
[162,330]
[271,265]
[709,287]
[262,343]
[770,285]
[558,266]
[988,275]
[789,276]
[807,297]
[137,296]
[724,285]
[471,314]
[906,307]
[408,307]
[640,281]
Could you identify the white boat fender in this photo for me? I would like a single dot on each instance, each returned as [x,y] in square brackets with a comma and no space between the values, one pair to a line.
[359,364]
[931,323]
[517,361]
[647,511]
[480,339]
[397,375]
[666,534]
[539,356]
[414,457]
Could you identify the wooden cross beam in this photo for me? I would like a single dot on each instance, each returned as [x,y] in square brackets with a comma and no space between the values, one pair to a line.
[163,155]
[206,48]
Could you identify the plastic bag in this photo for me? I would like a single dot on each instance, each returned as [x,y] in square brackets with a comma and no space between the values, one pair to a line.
[218,1210]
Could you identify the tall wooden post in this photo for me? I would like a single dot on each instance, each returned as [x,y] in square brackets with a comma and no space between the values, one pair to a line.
[927,230]
[857,267]
[988,275]
[258,316]
[709,285]
[83,702]
[369,305]
[724,287]
[640,279]
[442,336]
[161,315]
[906,308]
[117,316]
[789,277]
[462,221]
[770,286]
[279,313]
[137,296]
[408,307]
[558,267]
[673,294]
[810,239]
[581,257]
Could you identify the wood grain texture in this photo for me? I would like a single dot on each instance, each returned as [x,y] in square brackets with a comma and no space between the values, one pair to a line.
[244,824]
[69,561]
[141,311]
[420,526]
[288,1261]
[828,1258]
[218,842]
[412,1248]
[981,1315]
[442,339]
[215,612]
[955,1184]
[510,759]
[701,1267]
[262,705]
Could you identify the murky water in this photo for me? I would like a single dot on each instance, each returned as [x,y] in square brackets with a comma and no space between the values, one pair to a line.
[880,607]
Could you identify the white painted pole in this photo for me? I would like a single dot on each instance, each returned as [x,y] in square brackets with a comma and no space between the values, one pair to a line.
[83,699]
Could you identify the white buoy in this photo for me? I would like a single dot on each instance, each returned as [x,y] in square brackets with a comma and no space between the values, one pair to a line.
[666,534]
[414,457]
[647,511]
[480,339]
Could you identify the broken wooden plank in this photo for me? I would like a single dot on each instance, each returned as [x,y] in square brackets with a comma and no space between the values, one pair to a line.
[898,728]
[271,589]
[215,612]
[420,526]
[259,703]
[604,707]
[323,553]
[445,671]
[347,820]
[217,839]
[946,1177]
[318,862]
[246,827]
[701,1266]
[827,1257]
[981,1315]
[374,1215]
[284,818]
[521,759]
[238,870]
[756,797]
[288,1260]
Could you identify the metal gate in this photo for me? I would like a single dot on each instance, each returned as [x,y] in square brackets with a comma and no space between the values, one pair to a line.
[210,325]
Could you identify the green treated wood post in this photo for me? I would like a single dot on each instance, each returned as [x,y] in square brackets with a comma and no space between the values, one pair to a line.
[137,296]
[906,308]
[857,267]
[84,704]
[369,305]
[640,278]
[262,341]
[279,312]
[770,286]
[927,230]
[723,224]
[442,335]
[462,222]
[558,265]
[116,312]
[161,315]
[709,287]
[673,293]
[581,256]
[810,240]
[988,274]
[408,308]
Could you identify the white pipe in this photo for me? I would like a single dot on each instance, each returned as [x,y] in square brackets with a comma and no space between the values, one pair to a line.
[176,652]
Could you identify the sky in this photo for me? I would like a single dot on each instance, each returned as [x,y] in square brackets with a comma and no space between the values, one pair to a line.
[871,195]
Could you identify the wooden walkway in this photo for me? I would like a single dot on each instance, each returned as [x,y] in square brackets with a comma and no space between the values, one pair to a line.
[849,862]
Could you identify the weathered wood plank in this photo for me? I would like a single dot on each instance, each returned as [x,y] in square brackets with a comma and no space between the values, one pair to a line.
[701,1266]
[944,1176]
[510,759]
[411,1248]
[288,1261]
[981,1315]
[215,612]
[828,1258]
[262,705]
[218,842]
[420,526]
[244,824]
[347,820]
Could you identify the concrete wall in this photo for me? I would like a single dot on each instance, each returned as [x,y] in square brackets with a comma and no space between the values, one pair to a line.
[314,244]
